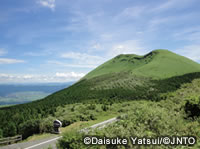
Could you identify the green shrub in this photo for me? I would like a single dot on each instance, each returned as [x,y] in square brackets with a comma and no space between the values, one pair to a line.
[66,122]
[93,117]
[46,125]
[71,141]
[73,109]
[84,117]
[29,128]
[91,107]
[104,107]
[192,107]
[1,133]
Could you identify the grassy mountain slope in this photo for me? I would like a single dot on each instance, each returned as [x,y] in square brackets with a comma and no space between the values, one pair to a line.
[156,64]
[126,77]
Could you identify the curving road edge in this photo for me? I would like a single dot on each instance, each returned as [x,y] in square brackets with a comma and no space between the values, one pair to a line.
[45,143]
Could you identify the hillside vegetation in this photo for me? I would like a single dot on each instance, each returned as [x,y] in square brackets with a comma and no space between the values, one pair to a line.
[145,118]
[119,80]
[156,64]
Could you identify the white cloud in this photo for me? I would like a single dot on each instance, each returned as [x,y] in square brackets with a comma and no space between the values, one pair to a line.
[35,54]
[167,5]
[157,21]
[130,12]
[41,53]
[190,51]
[83,58]
[127,47]
[30,78]
[2,52]
[71,65]
[79,56]
[70,74]
[173,4]
[190,34]
[106,36]
[10,61]
[169,23]
[48,3]
[96,46]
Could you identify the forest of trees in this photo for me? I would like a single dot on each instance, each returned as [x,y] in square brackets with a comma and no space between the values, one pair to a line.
[26,119]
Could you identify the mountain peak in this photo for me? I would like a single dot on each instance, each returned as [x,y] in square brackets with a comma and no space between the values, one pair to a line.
[157,51]
[161,50]
[160,63]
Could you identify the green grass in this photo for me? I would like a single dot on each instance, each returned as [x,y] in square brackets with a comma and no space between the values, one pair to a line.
[38,137]
[145,118]
[156,64]
[85,124]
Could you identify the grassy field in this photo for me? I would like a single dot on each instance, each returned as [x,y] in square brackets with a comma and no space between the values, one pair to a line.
[157,64]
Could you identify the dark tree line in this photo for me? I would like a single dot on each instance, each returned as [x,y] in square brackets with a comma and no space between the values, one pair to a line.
[25,119]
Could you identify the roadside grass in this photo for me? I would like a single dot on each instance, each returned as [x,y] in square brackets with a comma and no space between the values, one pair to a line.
[84,124]
[74,127]
[38,136]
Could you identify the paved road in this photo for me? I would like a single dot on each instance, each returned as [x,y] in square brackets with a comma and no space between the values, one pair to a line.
[99,125]
[51,141]
[37,144]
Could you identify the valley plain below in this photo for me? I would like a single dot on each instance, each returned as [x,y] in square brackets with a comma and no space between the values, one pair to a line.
[12,94]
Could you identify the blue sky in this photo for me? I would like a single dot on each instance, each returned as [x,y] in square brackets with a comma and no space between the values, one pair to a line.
[62,40]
